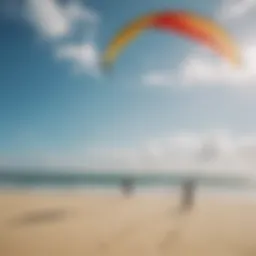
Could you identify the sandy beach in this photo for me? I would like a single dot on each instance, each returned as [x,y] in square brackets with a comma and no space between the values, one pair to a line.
[76,224]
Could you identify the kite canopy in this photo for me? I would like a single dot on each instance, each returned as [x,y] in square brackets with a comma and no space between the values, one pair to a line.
[193,26]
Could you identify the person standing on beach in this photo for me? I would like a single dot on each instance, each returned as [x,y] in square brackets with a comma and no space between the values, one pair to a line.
[187,195]
[127,186]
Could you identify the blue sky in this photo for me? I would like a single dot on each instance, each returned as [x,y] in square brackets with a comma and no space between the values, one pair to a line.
[55,104]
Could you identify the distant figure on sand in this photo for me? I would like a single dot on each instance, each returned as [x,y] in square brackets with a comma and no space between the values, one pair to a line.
[127,186]
[187,195]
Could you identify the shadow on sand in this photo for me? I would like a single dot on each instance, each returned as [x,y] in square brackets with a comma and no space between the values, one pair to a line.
[170,239]
[173,238]
[41,216]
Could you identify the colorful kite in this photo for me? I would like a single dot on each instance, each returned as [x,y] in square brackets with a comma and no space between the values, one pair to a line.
[184,23]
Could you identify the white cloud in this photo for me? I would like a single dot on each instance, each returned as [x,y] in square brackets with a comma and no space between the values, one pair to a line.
[236,8]
[55,20]
[83,56]
[60,24]
[217,152]
[213,153]
[199,68]
[48,17]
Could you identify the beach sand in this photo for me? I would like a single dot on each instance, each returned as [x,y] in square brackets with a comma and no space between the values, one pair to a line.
[76,224]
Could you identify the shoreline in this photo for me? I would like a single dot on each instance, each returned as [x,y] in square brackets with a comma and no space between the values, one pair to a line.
[156,190]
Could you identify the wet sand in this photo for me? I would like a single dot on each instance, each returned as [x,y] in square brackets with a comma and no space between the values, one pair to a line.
[68,225]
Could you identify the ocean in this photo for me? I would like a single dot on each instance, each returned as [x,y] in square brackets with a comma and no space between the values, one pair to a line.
[111,180]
